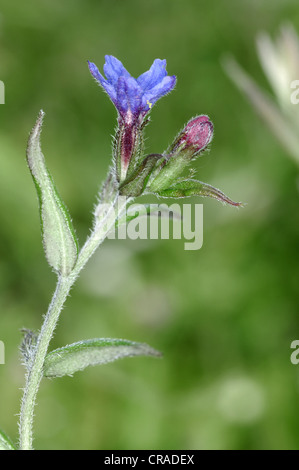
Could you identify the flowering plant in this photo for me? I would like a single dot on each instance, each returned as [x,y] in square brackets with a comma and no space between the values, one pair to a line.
[132,174]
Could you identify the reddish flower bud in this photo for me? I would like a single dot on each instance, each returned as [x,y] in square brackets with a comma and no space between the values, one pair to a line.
[195,137]
[192,140]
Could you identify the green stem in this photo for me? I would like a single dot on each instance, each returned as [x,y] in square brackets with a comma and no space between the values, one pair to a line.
[34,375]
[35,367]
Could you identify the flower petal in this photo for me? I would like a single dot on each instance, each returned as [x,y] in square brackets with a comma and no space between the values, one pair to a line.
[153,76]
[151,96]
[129,95]
[95,72]
[114,69]
[102,81]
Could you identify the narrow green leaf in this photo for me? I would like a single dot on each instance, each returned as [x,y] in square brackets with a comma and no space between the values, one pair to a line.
[92,352]
[5,442]
[190,187]
[59,238]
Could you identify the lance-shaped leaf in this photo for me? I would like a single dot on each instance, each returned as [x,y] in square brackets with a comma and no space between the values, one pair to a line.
[92,352]
[135,185]
[59,238]
[190,187]
[5,442]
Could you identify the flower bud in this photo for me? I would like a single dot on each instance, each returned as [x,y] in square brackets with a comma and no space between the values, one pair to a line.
[190,142]
[195,137]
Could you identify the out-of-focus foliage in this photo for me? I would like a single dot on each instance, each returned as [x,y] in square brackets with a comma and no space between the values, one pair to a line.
[280,62]
[224,316]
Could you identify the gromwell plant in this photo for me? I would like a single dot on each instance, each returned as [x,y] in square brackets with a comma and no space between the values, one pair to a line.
[132,174]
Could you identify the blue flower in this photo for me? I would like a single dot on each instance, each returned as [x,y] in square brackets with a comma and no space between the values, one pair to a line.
[133,98]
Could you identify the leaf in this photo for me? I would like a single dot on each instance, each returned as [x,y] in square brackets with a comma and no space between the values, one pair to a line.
[92,352]
[59,238]
[190,187]
[5,442]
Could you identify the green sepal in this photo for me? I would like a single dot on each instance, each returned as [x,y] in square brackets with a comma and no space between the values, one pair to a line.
[126,161]
[190,187]
[59,239]
[171,168]
[77,356]
[138,156]
[135,185]
[5,442]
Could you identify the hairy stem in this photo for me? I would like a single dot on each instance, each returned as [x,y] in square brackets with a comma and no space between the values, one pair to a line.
[35,367]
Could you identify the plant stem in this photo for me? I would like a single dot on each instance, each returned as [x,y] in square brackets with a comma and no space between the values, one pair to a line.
[35,367]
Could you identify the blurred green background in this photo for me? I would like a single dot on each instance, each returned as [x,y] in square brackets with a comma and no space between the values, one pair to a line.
[224,316]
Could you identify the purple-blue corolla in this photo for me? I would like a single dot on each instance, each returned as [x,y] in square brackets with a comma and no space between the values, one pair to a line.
[133,97]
